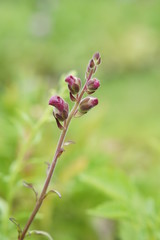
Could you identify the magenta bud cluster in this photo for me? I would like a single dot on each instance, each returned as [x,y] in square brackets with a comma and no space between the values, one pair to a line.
[93,64]
[82,106]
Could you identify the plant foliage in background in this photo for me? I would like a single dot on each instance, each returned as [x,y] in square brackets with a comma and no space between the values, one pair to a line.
[39,41]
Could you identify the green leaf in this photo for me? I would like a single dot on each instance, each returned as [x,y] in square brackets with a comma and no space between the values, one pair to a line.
[3,206]
[111,182]
[112,210]
[14,221]
[30,186]
[51,192]
[36,232]
[69,142]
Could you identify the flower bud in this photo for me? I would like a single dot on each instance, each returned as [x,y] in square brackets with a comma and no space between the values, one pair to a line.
[99,61]
[87,103]
[74,84]
[61,108]
[91,64]
[97,58]
[92,85]
[90,68]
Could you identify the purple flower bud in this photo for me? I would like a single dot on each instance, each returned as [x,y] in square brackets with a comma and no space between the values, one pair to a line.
[97,58]
[74,84]
[91,64]
[61,108]
[99,61]
[92,85]
[90,68]
[87,103]
[57,102]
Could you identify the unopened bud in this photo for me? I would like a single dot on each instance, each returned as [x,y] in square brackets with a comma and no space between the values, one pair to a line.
[87,103]
[74,84]
[97,58]
[90,68]
[99,61]
[61,108]
[92,85]
[57,102]
[91,64]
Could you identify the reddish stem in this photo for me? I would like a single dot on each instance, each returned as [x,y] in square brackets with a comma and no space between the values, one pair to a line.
[54,161]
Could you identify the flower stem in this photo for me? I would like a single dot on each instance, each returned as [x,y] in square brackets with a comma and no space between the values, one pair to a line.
[53,164]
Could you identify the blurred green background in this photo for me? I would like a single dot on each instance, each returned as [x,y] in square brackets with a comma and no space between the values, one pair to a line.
[109,180]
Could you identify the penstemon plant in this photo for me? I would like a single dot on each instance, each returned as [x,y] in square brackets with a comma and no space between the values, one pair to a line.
[63,118]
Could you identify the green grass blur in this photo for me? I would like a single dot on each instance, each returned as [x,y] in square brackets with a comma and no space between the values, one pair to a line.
[109,180]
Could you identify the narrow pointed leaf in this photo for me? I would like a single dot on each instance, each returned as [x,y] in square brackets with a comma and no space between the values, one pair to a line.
[111,210]
[69,142]
[51,192]
[30,185]
[37,232]
[110,181]
[14,221]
